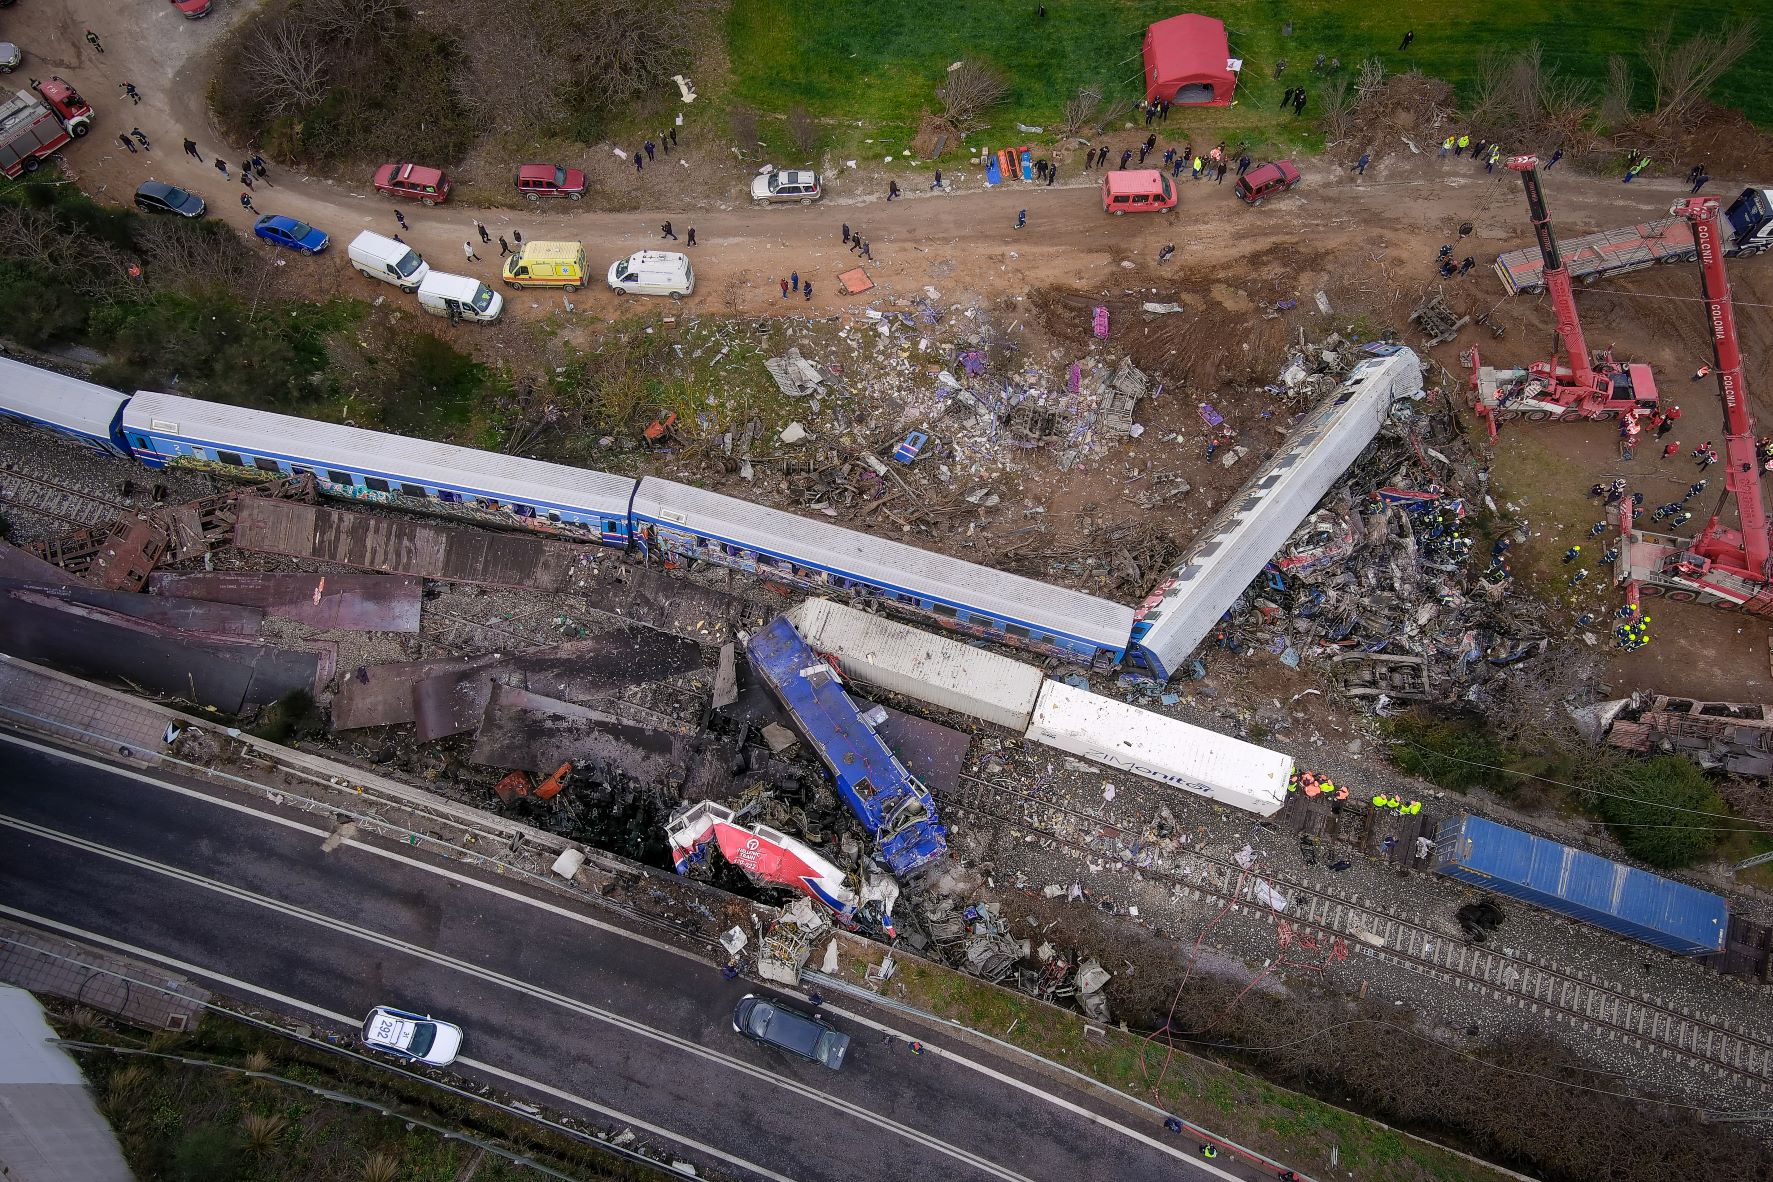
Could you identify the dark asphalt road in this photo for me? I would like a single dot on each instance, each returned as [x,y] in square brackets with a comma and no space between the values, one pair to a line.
[557,1004]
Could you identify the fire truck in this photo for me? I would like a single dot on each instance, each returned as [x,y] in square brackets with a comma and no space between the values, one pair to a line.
[1589,386]
[1718,565]
[36,122]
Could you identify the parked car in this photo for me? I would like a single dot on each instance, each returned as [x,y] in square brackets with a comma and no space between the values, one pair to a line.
[160,197]
[778,186]
[418,1037]
[287,231]
[536,181]
[775,1025]
[413,181]
[10,57]
[1265,180]
[653,272]
[192,8]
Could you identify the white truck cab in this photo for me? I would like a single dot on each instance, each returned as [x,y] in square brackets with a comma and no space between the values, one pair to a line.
[388,260]
[459,297]
[653,272]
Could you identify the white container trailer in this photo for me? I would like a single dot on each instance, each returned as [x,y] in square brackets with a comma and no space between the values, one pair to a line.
[922,665]
[1160,748]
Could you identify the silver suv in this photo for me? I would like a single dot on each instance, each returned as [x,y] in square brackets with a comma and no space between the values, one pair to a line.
[779,186]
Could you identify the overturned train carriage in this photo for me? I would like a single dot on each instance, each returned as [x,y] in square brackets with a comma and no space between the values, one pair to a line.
[1233,548]
[891,803]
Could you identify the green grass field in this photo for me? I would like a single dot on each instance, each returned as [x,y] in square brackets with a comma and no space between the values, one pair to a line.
[866,69]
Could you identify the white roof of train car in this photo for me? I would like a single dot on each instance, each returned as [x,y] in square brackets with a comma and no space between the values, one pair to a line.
[921,664]
[1252,527]
[889,563]
[1161,748]
[56,399]
[397,457]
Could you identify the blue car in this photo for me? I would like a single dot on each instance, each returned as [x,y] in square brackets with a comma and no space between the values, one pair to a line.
[283,231]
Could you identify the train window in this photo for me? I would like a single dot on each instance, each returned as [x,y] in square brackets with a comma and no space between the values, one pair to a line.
[298,470]
[139,440]
[864,789]
[947,612]
[524,510]
[266,465]
[1018,631]
[448,497]
[554,515]
[337,477]
[412,490]
[376,484]
[230,457]
[1048,638]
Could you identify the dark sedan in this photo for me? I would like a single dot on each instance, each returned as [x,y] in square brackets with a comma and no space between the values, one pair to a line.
[160,197]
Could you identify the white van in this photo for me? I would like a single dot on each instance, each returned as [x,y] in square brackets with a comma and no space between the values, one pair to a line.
[459,297]
[388,260]
[653,272]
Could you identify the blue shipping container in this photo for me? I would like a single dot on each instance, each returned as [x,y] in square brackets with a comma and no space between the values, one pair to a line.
[1628,902]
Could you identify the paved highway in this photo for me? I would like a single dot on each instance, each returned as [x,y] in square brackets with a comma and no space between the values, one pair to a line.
[558,1005]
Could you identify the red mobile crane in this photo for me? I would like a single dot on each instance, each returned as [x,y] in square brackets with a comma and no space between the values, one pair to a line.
[1588,387]
[1719,564]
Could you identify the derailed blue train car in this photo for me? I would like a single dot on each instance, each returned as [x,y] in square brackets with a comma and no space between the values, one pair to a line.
[892,803]
[1628,902]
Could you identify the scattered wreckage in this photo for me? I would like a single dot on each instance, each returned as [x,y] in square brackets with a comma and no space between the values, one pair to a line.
[1733,736]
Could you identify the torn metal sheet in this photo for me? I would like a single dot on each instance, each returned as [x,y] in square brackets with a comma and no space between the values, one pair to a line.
[395,545]
[22,564]
[186,615]
[227,675]
[365,603]
[382,695]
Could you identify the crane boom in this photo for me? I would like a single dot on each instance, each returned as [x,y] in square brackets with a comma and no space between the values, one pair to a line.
[1557,276]
[1742,476]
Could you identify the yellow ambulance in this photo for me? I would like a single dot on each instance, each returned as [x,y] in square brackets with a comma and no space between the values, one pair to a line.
[547,264]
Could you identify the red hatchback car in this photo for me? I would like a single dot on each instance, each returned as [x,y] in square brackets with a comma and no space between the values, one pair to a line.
[536,181]
[1265,180]
[413,181]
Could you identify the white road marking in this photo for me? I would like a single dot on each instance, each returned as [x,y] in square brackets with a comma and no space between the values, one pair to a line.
[345,1020]
[400,855]
[525,988]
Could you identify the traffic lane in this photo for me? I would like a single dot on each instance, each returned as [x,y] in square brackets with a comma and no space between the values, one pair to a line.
[763,1120]
[400,898]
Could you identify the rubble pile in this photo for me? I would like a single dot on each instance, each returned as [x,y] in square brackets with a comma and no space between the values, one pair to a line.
[1380,586]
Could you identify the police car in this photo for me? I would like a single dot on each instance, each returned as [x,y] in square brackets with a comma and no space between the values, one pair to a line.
[412,1036]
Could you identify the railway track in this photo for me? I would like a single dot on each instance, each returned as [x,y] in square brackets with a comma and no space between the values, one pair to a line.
[58,502]
[1565,994]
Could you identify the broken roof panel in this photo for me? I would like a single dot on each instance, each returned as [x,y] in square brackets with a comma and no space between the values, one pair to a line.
[228,675]
[190,615]
[382,695]
[366,603]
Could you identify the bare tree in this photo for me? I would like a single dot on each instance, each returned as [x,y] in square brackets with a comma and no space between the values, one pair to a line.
[1080,110]
[1616,100]
[345,19]
[95,268]
[1684,74]
[802,131]
[286,59]
[972,89]
[1337,106]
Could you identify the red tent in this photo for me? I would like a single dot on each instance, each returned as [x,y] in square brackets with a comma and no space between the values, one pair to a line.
[1186,62]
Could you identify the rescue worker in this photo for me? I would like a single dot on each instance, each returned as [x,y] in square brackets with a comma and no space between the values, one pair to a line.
[1572,554]
[1207,1151]
[1464,143]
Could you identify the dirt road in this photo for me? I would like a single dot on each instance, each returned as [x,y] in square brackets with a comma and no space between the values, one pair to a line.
[1367,242]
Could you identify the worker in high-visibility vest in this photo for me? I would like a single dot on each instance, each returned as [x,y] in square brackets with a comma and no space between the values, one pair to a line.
[1446,146]
[1464,143]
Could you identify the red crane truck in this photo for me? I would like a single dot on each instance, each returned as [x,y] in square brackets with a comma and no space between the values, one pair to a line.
[1718,565]
[1747,230]
[1589,387]
[34,125]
